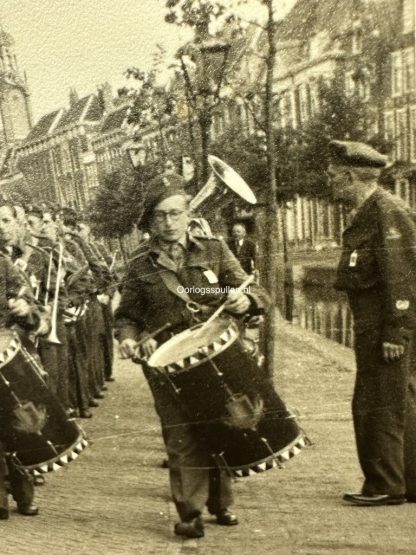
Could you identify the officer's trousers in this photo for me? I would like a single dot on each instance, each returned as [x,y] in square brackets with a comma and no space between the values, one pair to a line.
[194,480]
[384,414]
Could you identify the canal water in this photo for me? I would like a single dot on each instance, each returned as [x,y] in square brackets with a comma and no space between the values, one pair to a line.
[324,311]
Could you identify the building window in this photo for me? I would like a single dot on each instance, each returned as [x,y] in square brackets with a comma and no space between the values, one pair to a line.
[402,135]
[413,134]
[408,64]
[287,110]
[349,83]
[357,41]
[304,102]
[403,71]
[397,74]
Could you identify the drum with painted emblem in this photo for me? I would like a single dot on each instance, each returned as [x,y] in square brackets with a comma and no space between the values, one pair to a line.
[228,399]
[34,427]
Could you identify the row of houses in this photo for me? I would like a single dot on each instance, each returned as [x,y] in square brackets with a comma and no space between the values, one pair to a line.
[370,43]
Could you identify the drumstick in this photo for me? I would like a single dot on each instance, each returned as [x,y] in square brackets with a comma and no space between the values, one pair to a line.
[150,336]
[245,283]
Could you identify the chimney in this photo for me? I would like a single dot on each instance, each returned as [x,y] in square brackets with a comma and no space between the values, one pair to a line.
[105,96]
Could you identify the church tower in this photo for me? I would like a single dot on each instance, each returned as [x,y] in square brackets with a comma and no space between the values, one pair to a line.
[15,111]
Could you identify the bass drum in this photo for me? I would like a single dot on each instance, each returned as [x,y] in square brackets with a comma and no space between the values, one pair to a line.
[34,427]
[228,399]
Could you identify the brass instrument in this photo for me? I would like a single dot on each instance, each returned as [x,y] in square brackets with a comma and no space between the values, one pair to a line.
[215,194]
[53,337]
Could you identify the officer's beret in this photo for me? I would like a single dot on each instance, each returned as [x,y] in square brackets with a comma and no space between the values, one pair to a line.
[155,196]
[351,153]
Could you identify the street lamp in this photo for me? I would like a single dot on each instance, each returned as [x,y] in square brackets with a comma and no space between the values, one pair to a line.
[209,58]
[136,153]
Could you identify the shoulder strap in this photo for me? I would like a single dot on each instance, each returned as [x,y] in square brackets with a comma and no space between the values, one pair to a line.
[173,284]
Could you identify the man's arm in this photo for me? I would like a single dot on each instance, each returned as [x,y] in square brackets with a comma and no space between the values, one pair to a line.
[397,263]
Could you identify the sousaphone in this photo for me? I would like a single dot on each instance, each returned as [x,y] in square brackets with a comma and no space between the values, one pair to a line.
[223,183]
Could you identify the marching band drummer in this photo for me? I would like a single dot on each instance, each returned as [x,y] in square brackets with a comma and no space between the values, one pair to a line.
[20,309]
[151,297]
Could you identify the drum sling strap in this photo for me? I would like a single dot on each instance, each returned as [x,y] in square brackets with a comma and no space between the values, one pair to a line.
[172,283]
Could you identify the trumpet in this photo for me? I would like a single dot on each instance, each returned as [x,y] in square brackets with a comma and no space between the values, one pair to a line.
[53,336]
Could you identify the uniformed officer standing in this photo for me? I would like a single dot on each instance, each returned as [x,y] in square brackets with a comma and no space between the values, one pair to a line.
[377,270]
[150,299]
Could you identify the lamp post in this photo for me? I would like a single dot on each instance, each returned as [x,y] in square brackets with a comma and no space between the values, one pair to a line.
[203,85]
[136,153]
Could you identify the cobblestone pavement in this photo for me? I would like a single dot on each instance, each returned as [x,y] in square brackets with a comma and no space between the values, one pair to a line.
[114,500]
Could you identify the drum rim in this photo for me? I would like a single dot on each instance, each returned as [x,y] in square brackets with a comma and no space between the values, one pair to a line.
[282,456]
[59,461]
[207,353]
[11,351]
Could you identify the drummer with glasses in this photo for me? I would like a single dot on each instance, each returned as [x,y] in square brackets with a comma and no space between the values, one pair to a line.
[152,299]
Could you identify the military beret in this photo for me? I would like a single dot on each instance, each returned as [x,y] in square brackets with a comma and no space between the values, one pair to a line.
[34,211]
[155,196]
[168,180]
[351,153]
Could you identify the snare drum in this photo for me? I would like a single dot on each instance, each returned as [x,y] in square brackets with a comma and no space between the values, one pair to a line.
[34,427]
[228,399]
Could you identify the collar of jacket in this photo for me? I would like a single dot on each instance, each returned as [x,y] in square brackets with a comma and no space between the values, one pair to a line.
[163,259]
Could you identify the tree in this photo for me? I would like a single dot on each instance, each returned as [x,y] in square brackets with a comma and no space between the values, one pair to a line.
[119,201]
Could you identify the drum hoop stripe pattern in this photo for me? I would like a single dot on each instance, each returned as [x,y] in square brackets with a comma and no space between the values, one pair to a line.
[274,460]
[55,464]
[11,351]
[205,353]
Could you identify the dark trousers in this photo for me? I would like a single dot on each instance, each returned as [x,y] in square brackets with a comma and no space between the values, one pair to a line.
[15,481]
[107,340]
[194,480]
[77,362]
[384,414]
[94,328]
[54,358]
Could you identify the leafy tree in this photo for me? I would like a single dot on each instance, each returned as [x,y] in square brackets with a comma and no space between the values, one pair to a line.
[119,201]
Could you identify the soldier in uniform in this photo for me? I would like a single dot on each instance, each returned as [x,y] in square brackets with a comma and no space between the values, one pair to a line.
[18,308]
[377,269]
[150,299]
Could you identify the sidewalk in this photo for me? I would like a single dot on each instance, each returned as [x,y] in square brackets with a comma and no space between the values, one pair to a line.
[114,500]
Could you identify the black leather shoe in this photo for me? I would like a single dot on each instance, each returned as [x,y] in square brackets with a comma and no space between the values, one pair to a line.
[226,518]
[99,395]
[104,388]
[165,463]
[71,412]
[374,499]
[411,498]
[110,379]
[93,403]
[4,513]
[191,529]
[85,414]
[28,510]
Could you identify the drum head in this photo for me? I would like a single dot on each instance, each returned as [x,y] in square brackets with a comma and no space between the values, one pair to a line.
[9,345]
[189,342]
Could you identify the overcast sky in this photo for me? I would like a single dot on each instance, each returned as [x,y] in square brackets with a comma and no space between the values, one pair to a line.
[82,43]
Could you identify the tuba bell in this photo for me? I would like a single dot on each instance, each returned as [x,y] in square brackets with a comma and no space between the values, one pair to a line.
[218,191]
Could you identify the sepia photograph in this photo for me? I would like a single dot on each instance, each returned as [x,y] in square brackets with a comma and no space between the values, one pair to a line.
[208,277]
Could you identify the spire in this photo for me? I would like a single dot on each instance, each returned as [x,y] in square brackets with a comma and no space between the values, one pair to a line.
[6,39]
[73,96]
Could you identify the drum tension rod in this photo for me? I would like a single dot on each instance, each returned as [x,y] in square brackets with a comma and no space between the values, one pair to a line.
[219,458]
[279,464]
